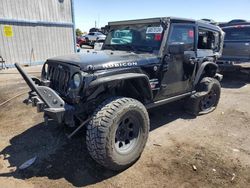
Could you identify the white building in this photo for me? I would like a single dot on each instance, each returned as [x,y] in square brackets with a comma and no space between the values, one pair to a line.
[33,30]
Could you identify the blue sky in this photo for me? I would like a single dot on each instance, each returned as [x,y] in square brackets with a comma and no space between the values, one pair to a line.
[103,11]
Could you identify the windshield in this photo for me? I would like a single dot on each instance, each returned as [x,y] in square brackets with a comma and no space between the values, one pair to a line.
[141,37]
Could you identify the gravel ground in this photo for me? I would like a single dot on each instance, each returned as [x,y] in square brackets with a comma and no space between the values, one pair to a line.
[182,151]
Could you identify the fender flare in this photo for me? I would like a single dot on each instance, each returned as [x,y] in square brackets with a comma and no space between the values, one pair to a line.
[123,77]
[202,68]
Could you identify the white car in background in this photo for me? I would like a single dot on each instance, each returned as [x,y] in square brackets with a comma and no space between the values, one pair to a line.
[92,37]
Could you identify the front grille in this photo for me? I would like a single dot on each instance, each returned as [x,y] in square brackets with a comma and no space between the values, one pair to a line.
[59,78]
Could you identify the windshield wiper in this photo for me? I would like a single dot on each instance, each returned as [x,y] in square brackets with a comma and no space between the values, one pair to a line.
[145,48]
[129,47]
[110,46]
[132,48]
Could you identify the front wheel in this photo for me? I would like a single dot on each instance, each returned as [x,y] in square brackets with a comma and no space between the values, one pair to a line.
[207,97]
[117,134]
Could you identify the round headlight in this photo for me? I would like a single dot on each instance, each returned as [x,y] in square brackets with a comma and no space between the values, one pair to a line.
[46,68]
[77,80]
[46,71]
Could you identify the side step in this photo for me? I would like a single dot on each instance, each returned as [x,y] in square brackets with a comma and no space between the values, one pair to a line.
[168,100]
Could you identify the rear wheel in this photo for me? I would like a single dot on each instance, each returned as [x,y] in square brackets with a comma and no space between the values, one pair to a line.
[207,97]
[209,102]
[118,132]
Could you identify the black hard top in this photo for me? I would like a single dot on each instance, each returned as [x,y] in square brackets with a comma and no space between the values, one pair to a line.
[200,23]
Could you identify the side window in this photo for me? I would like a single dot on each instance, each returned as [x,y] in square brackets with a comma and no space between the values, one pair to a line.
[182,35]
[208,40]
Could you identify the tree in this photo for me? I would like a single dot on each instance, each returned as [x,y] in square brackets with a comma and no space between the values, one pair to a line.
[78,32]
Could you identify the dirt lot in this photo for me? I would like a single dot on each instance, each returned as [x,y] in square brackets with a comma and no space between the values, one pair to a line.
[218,145]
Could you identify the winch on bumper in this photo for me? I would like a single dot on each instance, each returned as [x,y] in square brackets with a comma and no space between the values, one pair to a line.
[47,100]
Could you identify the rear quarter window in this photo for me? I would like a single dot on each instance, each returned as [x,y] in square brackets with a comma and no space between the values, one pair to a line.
[237,33]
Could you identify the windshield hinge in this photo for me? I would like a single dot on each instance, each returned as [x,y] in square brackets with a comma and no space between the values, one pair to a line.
[165,26]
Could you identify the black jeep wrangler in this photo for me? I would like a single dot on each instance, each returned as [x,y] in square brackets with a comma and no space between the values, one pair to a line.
[142,64]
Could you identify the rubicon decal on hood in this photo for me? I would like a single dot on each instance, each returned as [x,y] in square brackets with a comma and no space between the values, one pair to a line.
[123,64]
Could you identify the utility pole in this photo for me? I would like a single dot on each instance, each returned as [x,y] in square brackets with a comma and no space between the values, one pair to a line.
[98,21]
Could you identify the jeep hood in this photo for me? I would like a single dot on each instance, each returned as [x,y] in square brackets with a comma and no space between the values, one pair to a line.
[106,59]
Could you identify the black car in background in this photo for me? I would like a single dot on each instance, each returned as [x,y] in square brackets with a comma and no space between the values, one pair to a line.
[236,52]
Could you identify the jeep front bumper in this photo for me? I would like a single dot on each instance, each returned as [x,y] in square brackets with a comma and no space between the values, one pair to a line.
[47,100]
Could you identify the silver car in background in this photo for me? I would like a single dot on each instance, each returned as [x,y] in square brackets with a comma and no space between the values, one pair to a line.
[92,37]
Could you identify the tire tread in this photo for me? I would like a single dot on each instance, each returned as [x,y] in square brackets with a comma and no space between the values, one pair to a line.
[99,127]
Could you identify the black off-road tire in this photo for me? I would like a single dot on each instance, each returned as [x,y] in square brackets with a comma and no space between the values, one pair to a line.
[101,137]
[206,99]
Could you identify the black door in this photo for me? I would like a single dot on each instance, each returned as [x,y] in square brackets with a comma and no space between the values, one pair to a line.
[177,73]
